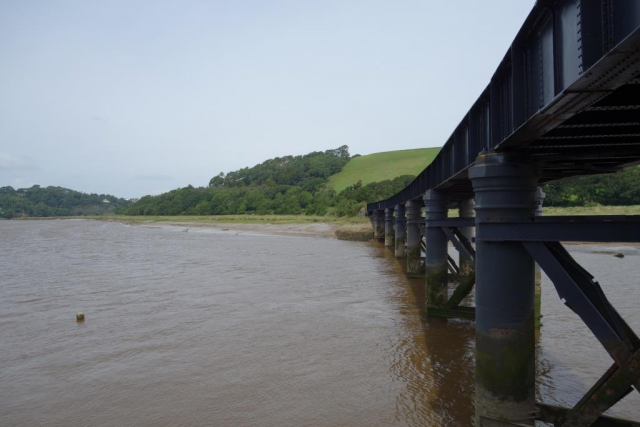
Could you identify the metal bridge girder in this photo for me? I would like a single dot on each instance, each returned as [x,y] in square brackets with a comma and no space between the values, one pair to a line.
[604,228]
[585,297]
[566,92]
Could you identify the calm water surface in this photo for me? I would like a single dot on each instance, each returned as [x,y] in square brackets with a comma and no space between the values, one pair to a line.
[233,329]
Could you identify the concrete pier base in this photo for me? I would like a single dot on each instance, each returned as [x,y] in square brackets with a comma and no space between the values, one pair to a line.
[389,234]
[436,205]
[401,227]
[413,237]
[505,335]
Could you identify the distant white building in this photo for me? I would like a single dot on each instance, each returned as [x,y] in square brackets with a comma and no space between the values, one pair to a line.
[105,201]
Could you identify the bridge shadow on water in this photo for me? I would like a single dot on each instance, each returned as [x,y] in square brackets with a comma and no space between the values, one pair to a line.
[434,359]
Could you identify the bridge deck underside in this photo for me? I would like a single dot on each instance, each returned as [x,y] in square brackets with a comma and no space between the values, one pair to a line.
[604,138]
[566,94]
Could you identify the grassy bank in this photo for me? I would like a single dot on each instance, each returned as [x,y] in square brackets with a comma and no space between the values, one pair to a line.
[361,232]
[234,219]
[346,228]
[594,210]
[305,219]
[578,210]
[381,166]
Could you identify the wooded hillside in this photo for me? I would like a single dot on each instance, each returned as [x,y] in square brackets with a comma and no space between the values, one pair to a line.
[55,201]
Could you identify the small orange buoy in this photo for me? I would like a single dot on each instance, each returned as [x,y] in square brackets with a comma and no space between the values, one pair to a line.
[80,317]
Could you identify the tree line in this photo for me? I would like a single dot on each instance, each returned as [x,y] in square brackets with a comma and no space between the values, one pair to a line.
[55,201]
[616,189]
[289,185]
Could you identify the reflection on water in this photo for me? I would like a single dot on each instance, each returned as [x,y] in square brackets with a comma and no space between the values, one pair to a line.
[220,328]
[435,359]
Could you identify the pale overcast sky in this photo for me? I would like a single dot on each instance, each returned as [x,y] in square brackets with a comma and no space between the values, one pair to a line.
[133,97]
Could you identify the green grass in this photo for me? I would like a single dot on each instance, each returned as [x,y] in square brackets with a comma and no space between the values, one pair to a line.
[592,210]
[580,210]
[358,222]
[380,166]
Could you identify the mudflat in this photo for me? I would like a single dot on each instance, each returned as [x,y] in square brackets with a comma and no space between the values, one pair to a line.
[312,229]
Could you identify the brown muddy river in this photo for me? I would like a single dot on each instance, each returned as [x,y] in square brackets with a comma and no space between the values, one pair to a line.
[213,328]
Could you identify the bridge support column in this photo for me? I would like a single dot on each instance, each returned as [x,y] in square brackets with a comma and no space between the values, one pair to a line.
[401,226]
[465,210]
[505,189]
[389,234]
[540,195]
[436,205]
[378,225]
[413,237]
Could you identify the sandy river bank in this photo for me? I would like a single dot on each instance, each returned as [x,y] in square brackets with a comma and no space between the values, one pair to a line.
[309,229]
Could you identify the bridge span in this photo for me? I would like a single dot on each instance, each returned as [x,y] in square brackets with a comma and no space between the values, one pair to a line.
[563,102]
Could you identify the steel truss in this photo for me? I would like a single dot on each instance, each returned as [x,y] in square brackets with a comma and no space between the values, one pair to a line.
[452,308]
[581,293]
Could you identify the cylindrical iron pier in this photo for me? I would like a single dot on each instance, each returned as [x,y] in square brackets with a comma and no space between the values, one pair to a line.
[401,226]
[505,189]
[436,204]
[413,237]
[389,234]
[378,225]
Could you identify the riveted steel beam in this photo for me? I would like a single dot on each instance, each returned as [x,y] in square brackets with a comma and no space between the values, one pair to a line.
[555,415]
[563,228]
[568,81]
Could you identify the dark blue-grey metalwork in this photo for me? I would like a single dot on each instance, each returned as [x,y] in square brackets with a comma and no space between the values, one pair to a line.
[601,228]
[567,94]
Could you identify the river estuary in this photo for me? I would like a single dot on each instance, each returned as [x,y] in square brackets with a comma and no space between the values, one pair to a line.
[224,328]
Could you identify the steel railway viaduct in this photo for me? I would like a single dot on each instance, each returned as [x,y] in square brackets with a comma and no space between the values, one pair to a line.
[564,101]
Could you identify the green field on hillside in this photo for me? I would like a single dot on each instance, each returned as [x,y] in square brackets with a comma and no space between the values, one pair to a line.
[380,166]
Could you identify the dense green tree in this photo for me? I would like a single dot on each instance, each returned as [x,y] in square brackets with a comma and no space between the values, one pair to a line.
[288,185]
[621,188]
[284,185]
[299,185]
[55,201]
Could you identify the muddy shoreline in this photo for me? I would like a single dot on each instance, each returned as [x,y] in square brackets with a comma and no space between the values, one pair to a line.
[327,230]
[316,229]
